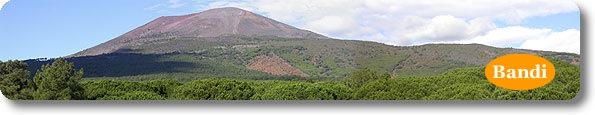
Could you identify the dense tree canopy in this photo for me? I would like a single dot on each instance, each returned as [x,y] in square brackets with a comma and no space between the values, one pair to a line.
[135,95]
[469,84]
[360,77]
[14,82]
[102,89]
[58,81]
[305,91]
[214,89]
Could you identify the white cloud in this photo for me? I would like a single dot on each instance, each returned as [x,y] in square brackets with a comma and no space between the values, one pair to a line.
[529,38]
[175,3]
[168,5]
[512,11]
[565,41]
[332,24]
[508,36]
[2,2]
[412,22]
[444,28]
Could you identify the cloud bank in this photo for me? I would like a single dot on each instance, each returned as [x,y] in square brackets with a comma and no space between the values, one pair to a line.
[414,22]
[2,2]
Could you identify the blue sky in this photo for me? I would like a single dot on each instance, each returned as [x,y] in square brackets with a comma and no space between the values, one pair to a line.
[558,22]
[54,28]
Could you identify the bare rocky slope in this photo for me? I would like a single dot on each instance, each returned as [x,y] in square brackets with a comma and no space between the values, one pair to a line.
[273,64]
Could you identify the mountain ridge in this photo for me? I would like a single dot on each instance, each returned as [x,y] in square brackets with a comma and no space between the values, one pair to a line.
[210,23]
[240,44]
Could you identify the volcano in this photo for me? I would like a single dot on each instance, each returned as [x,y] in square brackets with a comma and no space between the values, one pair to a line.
[235,43]
[210,23]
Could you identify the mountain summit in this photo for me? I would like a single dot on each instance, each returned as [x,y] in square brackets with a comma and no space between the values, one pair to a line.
[210,23]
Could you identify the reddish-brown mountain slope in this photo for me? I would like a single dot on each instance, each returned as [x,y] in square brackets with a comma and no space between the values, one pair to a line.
[209,23]
[273,64]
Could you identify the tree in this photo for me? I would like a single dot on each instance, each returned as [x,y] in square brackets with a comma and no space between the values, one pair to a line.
[361,77]
[10,66]
[214,89]
[58,81]
[472,91]
[101,89]
[295,91]
[14,82]
[394,89]
[338,90]
[135,95]
[305,91]
[164,87]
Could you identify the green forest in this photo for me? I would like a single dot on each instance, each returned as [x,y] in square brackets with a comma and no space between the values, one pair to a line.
[61,81]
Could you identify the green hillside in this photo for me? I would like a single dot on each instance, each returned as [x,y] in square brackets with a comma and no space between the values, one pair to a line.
[326,59]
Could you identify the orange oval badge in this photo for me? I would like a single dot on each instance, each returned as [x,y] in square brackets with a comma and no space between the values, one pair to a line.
[520,71]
